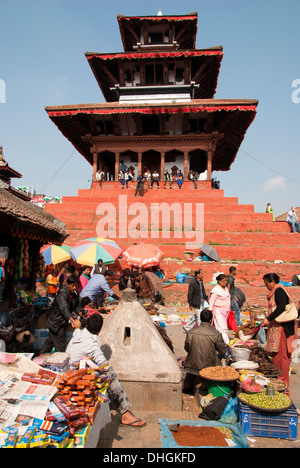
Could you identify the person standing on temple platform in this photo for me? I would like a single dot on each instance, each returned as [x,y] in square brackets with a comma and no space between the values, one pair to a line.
[233,300]
[140,185]
[179,179]
[122,179]
[167,179]
[147,176]
[123,166]
[126,177]
[193,176]
[155,179]
[100,177]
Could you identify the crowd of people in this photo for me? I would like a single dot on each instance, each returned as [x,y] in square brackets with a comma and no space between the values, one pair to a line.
[72,290]
[207,340]
[154,179]
[148,179]
[77,298]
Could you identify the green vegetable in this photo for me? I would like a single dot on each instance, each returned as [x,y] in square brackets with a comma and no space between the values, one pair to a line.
[261,400]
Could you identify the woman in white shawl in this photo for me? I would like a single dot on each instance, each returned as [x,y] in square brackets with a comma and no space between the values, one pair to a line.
[219,304]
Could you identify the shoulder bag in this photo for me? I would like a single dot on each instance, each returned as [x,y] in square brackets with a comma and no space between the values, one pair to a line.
[290,313]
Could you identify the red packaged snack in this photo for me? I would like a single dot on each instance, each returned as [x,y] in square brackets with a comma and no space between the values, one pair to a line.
[93,411]
[77,376]
[79,423]
[39,379]
[67,408]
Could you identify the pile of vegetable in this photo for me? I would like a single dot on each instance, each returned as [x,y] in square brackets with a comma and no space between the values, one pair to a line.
[263,401]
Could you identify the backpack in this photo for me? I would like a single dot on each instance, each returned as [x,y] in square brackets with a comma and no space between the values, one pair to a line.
[214,410]
[296,280]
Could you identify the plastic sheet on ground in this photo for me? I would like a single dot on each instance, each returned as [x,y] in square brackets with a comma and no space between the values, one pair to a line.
[168,441]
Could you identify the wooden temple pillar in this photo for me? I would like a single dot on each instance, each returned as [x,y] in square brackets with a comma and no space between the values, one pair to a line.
[186,166]
[162,167]
[117,166]
[95,165]
[140,158]
[209,163]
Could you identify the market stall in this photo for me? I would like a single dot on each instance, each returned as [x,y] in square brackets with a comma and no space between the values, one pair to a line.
[24,228]
[51,405]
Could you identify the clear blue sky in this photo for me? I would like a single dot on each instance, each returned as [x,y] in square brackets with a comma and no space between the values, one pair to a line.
[42,63]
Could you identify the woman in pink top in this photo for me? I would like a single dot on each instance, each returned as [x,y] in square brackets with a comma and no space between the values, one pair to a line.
[83,278]
[219,304]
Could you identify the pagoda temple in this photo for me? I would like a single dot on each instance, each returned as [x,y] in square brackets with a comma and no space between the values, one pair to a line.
[160,112]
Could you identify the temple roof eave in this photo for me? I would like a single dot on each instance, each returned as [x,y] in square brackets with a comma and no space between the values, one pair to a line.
[129,26]
[238,115]
[106,67]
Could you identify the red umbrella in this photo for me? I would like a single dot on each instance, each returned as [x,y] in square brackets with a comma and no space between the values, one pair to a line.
[143,255]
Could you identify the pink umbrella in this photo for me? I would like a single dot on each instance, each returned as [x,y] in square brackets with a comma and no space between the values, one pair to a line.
[143,255]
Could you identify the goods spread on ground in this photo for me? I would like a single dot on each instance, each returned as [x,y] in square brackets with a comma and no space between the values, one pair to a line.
[202,436]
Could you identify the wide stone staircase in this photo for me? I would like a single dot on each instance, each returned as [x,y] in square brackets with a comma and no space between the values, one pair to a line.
[179,220]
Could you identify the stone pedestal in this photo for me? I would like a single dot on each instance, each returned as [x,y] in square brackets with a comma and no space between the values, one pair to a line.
[142,360]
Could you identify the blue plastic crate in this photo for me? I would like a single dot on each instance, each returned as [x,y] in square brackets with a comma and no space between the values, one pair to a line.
[264,424]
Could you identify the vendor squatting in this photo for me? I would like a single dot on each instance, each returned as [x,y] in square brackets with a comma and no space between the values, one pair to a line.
[167,457]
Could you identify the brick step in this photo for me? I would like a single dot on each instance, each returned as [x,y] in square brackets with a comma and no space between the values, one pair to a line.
[95,193]
[68,205]
[251,238]
[218,217]
[210,227]
[280,241]
[147,200]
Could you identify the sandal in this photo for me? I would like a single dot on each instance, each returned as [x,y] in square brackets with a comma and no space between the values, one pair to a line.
[133,424]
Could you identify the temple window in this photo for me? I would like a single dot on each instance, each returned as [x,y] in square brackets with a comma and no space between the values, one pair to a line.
[150,124]
[154,73]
